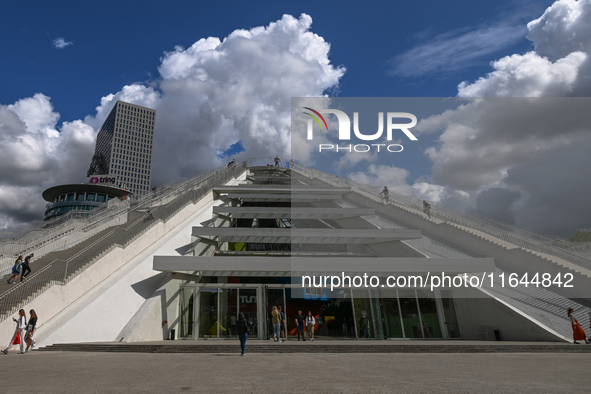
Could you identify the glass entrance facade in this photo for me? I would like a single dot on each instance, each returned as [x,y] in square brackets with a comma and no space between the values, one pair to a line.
[219,309]
[212,312]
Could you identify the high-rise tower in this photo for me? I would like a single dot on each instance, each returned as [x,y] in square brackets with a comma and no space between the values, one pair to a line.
[124,147]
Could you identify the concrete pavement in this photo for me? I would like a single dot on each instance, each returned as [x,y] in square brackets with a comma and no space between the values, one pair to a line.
[80,372]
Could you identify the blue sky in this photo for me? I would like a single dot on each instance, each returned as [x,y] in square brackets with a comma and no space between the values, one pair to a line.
[221,75]
[116,43]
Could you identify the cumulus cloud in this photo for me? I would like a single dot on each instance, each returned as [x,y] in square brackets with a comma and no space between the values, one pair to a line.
[35,155]
[218,92]
[428,191]
[484,142]
[519,160]
[208,97]
[61,43]
[454,51]
[560,64]
[380,175]
[496,203]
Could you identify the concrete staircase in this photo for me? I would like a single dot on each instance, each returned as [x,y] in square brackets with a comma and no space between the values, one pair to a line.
[445,216]
[60,267]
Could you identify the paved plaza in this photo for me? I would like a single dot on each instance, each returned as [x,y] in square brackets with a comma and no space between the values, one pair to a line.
[82,372]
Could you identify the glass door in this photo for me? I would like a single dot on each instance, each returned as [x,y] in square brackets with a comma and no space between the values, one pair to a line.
[392,318]
[449,313]
[275,297]
[186,312]
[208,313]
[429,317]
[247,304]
[228,317]
[410,314]
[363,314]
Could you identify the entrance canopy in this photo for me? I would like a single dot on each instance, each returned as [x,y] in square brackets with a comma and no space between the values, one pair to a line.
[282,266]
[305,235]
[291,213]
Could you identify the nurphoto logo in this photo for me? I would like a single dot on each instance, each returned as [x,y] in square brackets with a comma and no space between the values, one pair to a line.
[344,123]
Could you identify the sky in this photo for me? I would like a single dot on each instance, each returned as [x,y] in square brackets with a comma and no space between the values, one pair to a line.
[221,76]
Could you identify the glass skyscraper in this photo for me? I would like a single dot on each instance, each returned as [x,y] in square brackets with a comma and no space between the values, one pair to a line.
[124,145]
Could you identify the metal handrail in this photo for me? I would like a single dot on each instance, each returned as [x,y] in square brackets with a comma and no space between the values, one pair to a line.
[60,236]
[60,271]
[507,234]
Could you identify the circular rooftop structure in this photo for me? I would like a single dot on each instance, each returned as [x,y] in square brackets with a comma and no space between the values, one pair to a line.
[80,197]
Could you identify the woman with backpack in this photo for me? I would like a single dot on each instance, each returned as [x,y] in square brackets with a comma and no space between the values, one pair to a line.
[242,327]
[276,320]
[16,270]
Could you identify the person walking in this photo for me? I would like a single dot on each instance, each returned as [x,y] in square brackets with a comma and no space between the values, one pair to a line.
[21,325]
[276,320]
[310,321]
[26,266]
[31,330]
[277,160]
[386,195]
[300,325]
[283,327]
[16,270]
[578,332]
[232,326]
[364,326]
[242,327]
[427,208]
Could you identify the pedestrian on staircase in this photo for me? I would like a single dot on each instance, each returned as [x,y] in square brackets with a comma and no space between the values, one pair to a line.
[26,266]
[427,208]
[21,325]
[16,270]
[578,332]
[385,195]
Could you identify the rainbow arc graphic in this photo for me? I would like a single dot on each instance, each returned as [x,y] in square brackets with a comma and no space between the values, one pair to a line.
[315,118]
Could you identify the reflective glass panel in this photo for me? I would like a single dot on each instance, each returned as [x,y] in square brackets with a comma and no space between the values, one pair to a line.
[391,314]
[410,314]
[449,311]
[363,314]
[186,313]
[247,304]
[208,313]
[429,318]
[228,312]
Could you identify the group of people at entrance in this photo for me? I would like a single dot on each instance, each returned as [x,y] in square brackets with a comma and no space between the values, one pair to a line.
[24,332]
[307,322]
[280,326]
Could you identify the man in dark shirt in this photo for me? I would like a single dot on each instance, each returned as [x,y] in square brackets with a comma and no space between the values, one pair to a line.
[283,323]
[300,325]
[26,267]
